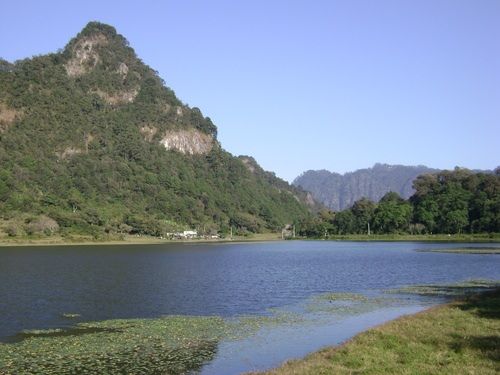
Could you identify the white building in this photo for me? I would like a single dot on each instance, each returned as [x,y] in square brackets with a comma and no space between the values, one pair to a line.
[190,234]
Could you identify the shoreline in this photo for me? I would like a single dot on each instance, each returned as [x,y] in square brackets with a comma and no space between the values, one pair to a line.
[133,240]
[260,237]
[411,343]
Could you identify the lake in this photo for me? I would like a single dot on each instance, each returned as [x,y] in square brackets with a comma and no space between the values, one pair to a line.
[40,284]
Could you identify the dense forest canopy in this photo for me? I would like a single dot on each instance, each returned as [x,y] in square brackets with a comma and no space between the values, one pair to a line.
[449,202]
[93,142]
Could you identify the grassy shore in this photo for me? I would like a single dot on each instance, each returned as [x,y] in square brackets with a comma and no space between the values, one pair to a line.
[462,337]
[491,237]
[125,240]
[144,240]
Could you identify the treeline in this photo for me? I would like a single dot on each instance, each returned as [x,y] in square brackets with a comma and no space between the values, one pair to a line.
[448,202]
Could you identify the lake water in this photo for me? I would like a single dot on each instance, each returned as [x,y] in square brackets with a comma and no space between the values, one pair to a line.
[39,284]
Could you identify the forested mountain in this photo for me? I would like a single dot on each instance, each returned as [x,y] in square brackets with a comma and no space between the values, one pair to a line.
[92,141]
[338,192]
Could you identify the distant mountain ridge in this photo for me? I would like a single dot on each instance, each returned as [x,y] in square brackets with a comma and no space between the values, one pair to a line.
[339,191]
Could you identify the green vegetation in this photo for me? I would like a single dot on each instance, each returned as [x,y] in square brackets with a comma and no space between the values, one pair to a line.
[173,345]
[453,290]
[461,337]
[81,153]
[330,297]
[459,203]
[349,304]
[464,250]
[168,345]
[462,237]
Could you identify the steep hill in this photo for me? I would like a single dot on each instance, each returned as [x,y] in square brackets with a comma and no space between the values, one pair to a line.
[92,141]
[337,191]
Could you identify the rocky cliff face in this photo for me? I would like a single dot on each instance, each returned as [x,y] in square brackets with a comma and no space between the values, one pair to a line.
[338,192]
[190,142]
[84,54]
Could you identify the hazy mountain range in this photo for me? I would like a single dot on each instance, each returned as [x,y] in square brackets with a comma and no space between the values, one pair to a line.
[339,191]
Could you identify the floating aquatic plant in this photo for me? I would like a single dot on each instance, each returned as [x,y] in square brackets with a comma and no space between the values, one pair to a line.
[464,250]
[342,297]
[173,345]
[342,304]
[450,290]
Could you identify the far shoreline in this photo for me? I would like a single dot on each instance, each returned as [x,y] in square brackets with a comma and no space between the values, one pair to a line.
[133,240]
[259,237]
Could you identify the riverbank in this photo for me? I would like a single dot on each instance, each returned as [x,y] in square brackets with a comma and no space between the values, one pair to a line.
[127,240]
[459,337]
[491,237]
[55,240]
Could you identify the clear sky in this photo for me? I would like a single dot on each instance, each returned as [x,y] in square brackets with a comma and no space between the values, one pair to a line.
[300,85]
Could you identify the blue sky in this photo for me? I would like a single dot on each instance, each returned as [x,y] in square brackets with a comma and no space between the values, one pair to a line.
[300,85]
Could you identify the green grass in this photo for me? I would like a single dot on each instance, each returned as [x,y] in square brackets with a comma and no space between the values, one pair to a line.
[459,338]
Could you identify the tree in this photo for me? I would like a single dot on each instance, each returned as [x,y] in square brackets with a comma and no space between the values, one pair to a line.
[392,215]
[453,207]
[426,212]
[363,211]
[345,222]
